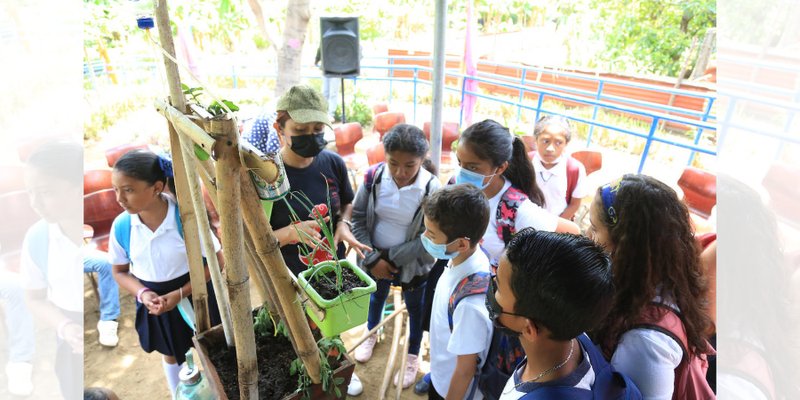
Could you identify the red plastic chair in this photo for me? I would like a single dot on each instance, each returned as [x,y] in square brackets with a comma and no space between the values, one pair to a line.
[699,190]
[96,180]
[379,108]
[99,210]
[113,154]
[449,135]
[347,135]
[591,160]
[376,154]
[384,121]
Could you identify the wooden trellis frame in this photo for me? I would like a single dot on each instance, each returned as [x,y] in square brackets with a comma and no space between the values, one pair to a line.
[236,200]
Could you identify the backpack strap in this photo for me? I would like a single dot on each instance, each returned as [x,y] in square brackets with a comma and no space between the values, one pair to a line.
[470,285]
[372,173]
[122,230]
[573,173]
[663,318]
[506,213]
[40,239]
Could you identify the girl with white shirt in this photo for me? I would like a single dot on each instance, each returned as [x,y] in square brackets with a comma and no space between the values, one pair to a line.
[154,267]
[494,160]
[387,216]
[654,258]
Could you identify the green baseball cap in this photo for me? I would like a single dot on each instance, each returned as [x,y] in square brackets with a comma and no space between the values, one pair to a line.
[304,105]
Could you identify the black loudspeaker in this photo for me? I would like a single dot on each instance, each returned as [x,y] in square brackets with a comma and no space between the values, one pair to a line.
[340,47]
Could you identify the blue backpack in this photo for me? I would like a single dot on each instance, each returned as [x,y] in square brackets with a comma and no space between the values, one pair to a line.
[608,384]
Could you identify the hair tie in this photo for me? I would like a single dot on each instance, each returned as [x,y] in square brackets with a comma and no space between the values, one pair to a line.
[165,162]
[609,195]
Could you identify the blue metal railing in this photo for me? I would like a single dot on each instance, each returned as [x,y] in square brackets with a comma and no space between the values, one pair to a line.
[595,99]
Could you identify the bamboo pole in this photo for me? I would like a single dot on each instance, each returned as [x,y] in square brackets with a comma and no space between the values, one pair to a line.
[403,358]
[267,249]
[183,176]
[238,280]
[183,123]
[391,316]
[396,332]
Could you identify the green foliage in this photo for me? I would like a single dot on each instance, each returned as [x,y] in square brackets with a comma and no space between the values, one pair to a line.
[330,383]
[263,323]
[357,110]
[645,36]
[215,108]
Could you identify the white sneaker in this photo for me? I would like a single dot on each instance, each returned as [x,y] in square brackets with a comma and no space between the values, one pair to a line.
[410,374]
[355,387]
[364,350]
[108,333]
[19,378]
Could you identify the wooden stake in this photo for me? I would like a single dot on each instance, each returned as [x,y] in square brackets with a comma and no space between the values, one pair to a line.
[229,198]
[183,123]
[403,359]
[386,320]
[268,251]
[183,176]
[396,332]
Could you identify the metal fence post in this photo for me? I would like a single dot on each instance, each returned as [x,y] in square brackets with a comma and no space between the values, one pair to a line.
[646,150]
[594,113]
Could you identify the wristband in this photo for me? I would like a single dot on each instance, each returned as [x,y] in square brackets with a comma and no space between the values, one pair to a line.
[349,224]
[140,293]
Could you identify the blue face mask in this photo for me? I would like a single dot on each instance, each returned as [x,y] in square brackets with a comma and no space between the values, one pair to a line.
[467,176]
[438,251]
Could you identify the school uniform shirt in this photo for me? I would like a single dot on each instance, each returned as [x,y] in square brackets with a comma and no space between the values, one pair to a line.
[158,256]
[472,329]
[396,207]
[63,280]
[553,183]
[582,378]
[649,358]
[528,214]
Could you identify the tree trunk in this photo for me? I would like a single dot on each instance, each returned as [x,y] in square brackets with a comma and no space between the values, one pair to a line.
[255,6]
[298,13]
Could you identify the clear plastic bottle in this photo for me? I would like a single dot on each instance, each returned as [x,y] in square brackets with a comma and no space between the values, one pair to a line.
[143,10]
[193,385]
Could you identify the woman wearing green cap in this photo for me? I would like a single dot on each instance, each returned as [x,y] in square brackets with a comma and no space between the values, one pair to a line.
[318,173]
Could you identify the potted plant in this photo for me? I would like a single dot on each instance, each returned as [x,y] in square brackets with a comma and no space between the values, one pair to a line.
[337,287]
[280,373]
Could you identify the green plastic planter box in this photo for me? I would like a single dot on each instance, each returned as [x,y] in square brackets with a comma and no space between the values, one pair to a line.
[346,311]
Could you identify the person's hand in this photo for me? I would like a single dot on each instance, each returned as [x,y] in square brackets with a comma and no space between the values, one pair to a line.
[166,303]
[150,300]
[305,232]
[343,234]
[73,335]
[383,270]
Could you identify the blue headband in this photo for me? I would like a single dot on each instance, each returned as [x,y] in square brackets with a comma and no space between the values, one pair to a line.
[609,194]
[165,162]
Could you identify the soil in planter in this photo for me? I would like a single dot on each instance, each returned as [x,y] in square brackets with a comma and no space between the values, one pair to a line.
[274,354]
[327,287]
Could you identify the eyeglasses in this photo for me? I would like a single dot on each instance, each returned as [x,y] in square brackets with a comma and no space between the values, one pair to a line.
[491,302]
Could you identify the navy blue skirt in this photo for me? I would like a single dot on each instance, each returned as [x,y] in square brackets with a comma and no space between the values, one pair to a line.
[168,333]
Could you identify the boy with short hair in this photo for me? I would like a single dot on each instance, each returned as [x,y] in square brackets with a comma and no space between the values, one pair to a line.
[550,288]
[455,219]
[561,178]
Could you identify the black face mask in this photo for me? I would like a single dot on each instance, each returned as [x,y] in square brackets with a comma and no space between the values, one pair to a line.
[495,310]
[308,146]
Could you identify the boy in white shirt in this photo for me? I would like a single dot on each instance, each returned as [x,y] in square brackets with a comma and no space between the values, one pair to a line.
[561,178]
[455,219]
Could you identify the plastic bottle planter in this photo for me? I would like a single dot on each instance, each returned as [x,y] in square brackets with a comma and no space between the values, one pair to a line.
[347,310]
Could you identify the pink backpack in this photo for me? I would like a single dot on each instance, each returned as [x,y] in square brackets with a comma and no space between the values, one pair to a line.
[690,375]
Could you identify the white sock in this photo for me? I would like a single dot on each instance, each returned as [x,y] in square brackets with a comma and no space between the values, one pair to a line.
[171,372]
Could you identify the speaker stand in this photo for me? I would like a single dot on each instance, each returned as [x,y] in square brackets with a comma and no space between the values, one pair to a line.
[344,119]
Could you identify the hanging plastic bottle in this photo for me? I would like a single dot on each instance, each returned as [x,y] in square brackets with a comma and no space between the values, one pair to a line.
[193,385]
[143,10]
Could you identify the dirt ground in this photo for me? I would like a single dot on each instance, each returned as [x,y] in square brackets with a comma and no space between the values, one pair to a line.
[134,374]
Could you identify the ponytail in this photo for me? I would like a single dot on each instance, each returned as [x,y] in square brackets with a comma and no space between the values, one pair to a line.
[521,175]
[428,165]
